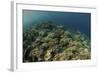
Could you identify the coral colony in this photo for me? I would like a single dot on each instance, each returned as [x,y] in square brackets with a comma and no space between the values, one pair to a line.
[47,41]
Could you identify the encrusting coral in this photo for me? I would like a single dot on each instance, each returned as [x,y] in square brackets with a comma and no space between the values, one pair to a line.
[51,42]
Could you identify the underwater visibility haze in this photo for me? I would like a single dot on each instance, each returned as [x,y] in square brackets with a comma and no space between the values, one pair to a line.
[56,36]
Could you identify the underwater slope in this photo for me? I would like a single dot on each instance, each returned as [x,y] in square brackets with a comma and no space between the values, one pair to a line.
[47,41]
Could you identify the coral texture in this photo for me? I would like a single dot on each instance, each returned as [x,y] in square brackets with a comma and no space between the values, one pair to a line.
[47,41]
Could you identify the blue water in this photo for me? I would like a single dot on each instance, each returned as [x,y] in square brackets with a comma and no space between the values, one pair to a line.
[72,20]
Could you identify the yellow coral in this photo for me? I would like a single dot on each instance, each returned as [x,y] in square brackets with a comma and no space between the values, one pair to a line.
[48,55]
[35,52]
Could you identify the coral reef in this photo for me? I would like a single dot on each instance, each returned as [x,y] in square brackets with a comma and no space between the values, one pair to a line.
[47,41]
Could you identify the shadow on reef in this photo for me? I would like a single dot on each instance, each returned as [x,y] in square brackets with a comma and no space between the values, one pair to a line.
[47,41]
